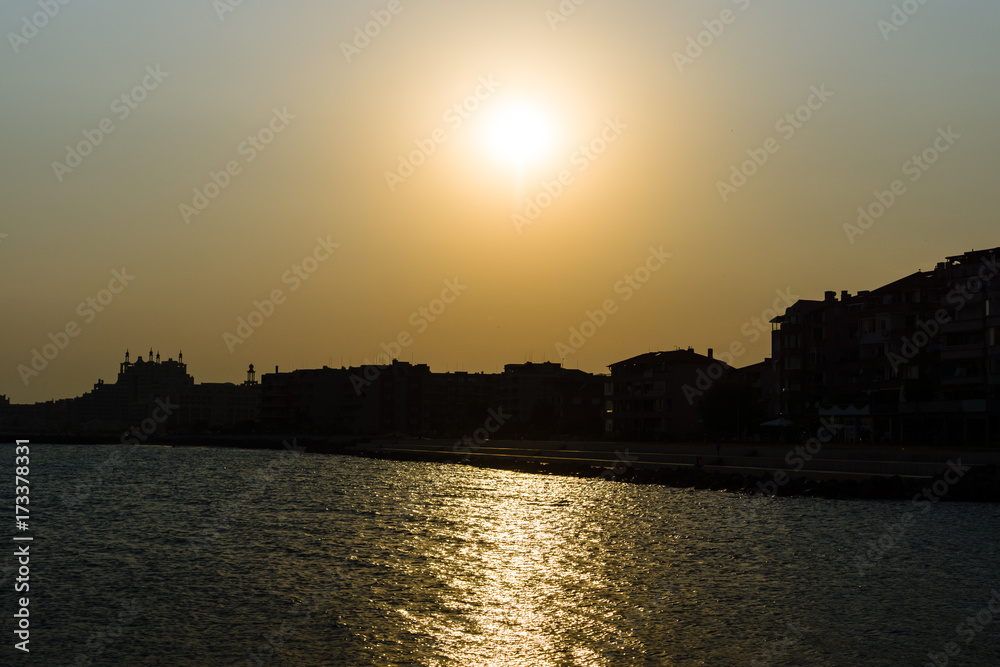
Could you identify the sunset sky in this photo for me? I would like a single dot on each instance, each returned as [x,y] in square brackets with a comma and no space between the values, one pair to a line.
[204,150]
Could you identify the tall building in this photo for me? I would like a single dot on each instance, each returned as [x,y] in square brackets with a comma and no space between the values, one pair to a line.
[915,360]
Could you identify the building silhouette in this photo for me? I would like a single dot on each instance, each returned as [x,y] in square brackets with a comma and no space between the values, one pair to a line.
[656,396]
[913,361]
[542,400]
[141,389]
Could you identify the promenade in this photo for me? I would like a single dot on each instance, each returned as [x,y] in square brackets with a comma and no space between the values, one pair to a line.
[835,471]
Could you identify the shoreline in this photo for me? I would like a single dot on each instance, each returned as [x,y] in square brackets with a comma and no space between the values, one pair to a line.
[832,472]
[633,463]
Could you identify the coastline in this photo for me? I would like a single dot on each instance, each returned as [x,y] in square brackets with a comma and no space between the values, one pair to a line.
[833,472]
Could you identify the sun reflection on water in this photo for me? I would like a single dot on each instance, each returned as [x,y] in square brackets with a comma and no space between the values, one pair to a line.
[515,584]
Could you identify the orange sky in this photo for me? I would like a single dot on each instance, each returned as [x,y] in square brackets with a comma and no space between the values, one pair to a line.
[477,179]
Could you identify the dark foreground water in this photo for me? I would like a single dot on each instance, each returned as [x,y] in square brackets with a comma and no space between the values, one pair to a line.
[187,556]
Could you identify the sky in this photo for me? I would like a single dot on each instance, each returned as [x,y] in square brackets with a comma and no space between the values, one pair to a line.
[471,184]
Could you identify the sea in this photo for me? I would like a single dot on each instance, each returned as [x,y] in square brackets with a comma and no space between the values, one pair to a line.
[149,555]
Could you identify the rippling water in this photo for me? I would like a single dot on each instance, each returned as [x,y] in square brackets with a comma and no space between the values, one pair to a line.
[176,556]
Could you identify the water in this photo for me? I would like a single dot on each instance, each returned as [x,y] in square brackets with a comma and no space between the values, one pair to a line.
[189,556]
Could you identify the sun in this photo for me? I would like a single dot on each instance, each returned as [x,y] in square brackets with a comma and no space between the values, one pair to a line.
[519,133]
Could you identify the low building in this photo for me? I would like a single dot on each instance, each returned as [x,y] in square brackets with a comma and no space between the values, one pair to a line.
[656,396]
[144,389]
[548,401]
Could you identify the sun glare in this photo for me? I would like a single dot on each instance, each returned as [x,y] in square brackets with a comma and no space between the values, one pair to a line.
[519,134]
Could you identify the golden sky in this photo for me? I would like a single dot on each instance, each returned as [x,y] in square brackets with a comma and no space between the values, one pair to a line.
[470,181]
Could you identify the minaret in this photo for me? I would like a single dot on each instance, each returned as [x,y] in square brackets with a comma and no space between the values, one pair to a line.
[251,376]
[157,356]
[150,355]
